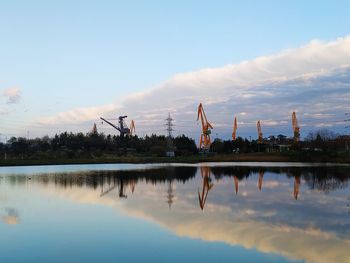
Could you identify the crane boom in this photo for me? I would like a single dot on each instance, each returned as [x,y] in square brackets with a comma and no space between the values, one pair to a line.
[204,141]
[115,127]
[234,129]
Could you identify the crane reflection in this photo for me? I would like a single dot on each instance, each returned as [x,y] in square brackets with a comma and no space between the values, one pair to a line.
[206,186]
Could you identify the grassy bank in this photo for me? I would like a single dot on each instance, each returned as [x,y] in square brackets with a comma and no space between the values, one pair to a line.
[250,157]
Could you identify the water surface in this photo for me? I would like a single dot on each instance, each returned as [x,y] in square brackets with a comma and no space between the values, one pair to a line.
[169,213]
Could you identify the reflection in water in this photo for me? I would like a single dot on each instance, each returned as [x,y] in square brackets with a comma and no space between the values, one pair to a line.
[261,176]
[235,179]
[296,186]
[11,216]
[206,186]
[274,224]
[170,196]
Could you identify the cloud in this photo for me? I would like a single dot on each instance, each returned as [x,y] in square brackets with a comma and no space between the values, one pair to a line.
[12,95]
[79,115]
[313,80]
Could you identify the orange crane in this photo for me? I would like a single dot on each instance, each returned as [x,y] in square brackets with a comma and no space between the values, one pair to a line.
[296,128]
[234,129]
[204,141]
[260,135]
[132,128]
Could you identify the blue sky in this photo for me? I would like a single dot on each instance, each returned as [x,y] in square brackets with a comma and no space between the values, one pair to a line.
[63,55]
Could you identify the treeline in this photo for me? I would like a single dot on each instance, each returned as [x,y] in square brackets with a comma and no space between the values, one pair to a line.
[94,144]
[320,140]
[79,145]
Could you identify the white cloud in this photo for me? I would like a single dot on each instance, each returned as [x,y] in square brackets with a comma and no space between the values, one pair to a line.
[313,79]
[12,95]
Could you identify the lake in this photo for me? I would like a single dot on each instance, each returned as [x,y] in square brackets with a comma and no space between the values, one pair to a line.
[214,212]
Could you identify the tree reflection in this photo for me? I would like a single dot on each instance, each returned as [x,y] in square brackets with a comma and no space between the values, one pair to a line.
[323,179]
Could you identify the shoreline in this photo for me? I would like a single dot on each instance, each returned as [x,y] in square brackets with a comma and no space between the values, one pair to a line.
[251,157]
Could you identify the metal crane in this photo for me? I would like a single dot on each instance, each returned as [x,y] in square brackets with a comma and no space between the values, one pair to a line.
[260,135]
[204,141]
[122,127]
[296,128]
[234,129]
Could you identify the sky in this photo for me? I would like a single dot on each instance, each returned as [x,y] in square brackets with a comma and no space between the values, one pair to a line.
[63,64]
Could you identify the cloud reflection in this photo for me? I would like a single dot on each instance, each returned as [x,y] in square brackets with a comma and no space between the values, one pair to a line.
[264,214]
[11,217]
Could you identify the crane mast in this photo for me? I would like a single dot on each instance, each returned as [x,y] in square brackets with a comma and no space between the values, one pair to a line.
[132,128]
[260,135]
[296,128]
[204,141]
[234,129]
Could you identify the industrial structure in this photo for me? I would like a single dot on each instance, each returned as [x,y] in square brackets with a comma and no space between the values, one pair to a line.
[206,127]
[169,128]
[122,127]
[204,141]
[234,129]
[132,128]
[260,135]
[296,128]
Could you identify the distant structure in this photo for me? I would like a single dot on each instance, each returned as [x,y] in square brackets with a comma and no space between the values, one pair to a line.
[296,128]
[347,120]
[122,127]
[260,135]
[234,129]
[204,141]
[169,128]
[132,128]
[94,129]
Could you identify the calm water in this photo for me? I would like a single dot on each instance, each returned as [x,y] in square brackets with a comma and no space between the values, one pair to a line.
[176,213]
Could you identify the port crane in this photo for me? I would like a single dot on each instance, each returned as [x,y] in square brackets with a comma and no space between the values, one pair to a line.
[204,141]
[296,128]
[234,129]
[122,127]
[260,135]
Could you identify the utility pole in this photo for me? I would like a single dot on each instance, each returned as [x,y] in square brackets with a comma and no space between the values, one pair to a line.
[169,128]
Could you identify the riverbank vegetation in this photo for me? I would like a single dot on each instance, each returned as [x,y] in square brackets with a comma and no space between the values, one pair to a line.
[64,148]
